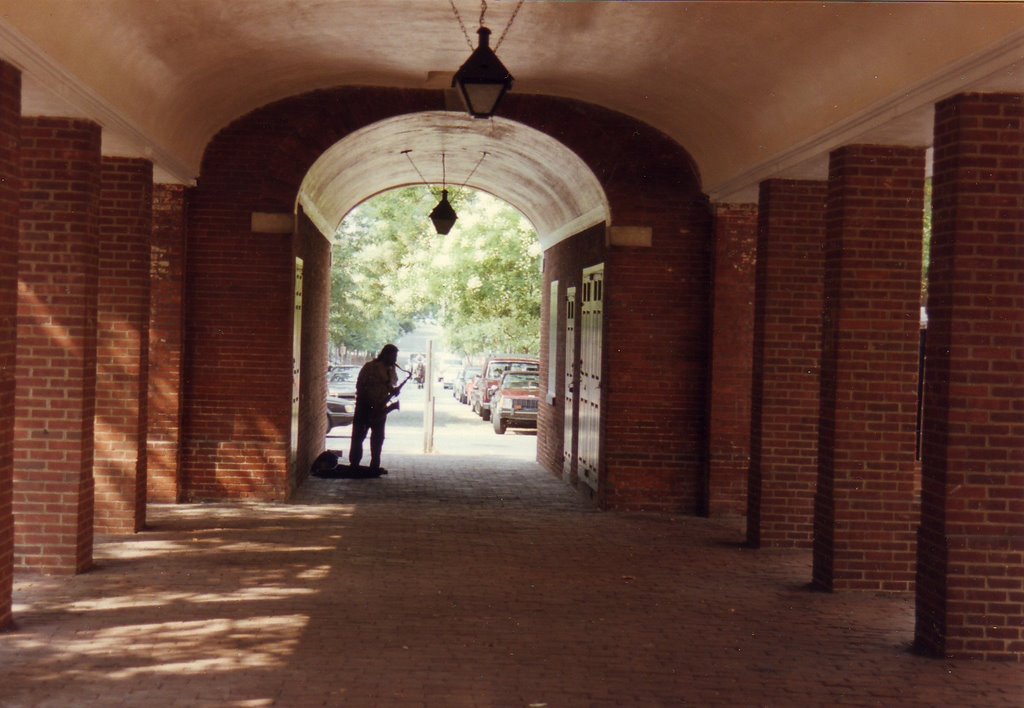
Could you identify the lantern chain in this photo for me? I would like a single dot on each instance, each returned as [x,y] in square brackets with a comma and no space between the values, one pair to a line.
[483,11]
[482,156]
[509,25]
[409,157]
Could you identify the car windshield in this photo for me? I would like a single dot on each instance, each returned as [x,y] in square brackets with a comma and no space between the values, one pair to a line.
[499,368]
[343,375]
[519,381]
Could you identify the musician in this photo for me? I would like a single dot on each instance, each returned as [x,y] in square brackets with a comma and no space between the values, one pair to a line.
[376,384]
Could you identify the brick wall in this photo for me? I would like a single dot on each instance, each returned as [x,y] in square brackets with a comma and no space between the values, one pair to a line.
[166,343]
[56,344]
[866,507]
[725,481]
[656,357]
[10,129]
[787,356]
[970,588]
[656,303]
[563,262]
[237,387]
[126,224]
[236,431]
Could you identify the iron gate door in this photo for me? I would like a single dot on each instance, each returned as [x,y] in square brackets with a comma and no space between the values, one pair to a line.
[591,321]
[569,397]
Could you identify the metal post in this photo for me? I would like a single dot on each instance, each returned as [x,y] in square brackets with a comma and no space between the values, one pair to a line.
[428,403]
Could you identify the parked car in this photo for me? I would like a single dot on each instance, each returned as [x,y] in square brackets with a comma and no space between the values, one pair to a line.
[341,382]
[462,379]
[339,412]
[472,385]
[448,369]
[514,403]
[493,369]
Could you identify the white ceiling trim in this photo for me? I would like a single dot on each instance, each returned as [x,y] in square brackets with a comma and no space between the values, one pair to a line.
[1007,55]
[581,223]
[51,76]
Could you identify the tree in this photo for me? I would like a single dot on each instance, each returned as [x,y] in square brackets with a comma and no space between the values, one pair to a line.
[481,282]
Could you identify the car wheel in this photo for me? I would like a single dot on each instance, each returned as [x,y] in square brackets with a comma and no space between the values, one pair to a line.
[499,425]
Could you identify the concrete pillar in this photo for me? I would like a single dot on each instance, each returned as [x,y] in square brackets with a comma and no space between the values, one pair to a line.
[166,341]
[787,357]
[970,581]
[126,224]
[866,506]
[10,130]
[55,399]
[732,340]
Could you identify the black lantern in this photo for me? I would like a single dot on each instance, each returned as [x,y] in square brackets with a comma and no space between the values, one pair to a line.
[443,215]
[483,80]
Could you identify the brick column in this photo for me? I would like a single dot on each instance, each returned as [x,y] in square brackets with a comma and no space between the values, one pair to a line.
[56,344]
[732,342]
[126,224]
[970,582]
[166,339]
[787,356]
[10,129]
[865,507]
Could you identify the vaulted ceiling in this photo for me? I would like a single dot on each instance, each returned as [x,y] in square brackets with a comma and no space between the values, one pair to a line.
[751,89]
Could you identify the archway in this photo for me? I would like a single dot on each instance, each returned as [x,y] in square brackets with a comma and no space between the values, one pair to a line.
[529,169]
[568,166]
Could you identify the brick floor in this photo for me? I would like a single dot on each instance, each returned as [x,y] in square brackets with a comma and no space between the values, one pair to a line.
[456,583]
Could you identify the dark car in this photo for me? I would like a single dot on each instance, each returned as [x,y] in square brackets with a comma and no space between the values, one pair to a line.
[462,380]
[493,370]
[514,403]
[339,412]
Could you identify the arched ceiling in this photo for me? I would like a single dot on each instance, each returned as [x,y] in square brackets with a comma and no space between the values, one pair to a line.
[751,90]
[532,171]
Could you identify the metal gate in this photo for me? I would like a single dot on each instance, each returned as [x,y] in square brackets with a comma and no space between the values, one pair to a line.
[569,397]
[591,321]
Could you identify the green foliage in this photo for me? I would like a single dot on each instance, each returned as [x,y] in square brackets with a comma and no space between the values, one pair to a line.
[481,282]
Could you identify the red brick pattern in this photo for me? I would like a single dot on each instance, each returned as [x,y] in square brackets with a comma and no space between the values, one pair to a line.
[866,507]
[10,129]
[56,344]
[732,352]
[970,589]
[166,343]
[238,379]
[656,354]
[787,357]
[126,225]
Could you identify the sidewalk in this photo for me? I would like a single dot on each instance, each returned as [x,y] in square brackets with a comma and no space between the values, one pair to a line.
[460,580]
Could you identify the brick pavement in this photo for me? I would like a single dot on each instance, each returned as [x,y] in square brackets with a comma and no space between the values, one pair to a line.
[456,583]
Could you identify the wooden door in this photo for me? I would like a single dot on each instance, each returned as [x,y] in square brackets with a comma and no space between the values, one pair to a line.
[296,368]
[591,325]
[569,396]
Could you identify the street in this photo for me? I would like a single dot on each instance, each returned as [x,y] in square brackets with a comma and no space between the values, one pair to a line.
[457,430]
